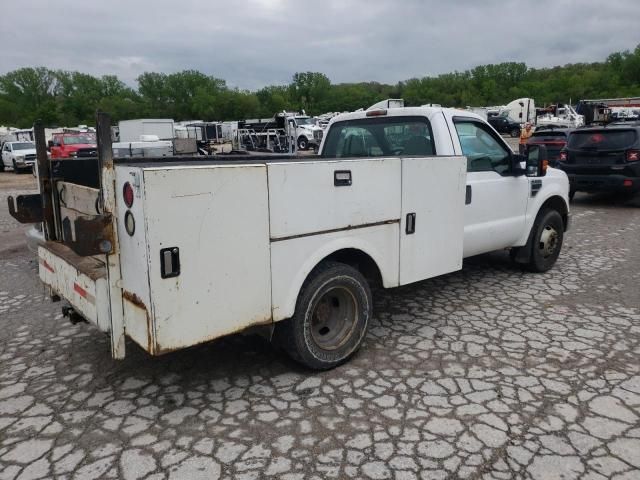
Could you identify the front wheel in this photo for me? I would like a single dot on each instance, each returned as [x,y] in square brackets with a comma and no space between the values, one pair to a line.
[546,243]
[331,317]
[16,170]
[515,133]
[303,143]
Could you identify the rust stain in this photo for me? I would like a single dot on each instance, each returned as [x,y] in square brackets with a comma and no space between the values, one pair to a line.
[89,266]
[260,322]
[137,302]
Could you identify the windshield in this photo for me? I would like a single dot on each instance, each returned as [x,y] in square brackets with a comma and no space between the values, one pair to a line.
[602,139]
[79,139]
[23,146]
[376,137]
[305,121]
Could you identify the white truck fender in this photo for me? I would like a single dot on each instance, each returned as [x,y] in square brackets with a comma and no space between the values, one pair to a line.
[553,191]
[290,266]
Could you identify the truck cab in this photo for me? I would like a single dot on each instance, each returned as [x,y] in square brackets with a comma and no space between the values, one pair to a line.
[502,203]
[72,145]
[308,132]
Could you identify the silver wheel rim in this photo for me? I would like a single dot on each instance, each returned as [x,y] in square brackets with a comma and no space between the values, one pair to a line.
[548,241]
[334,318]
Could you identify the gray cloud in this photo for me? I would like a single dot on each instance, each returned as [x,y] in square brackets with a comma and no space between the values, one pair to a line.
[253,43]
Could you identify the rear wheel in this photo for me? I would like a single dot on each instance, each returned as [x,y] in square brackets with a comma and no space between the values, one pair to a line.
[331,317]
[515,132]
[546,243]
[1,165]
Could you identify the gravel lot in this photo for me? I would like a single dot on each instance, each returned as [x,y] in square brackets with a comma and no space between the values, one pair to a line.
[485,373]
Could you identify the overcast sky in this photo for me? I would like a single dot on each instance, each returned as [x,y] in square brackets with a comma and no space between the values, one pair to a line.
[253,43]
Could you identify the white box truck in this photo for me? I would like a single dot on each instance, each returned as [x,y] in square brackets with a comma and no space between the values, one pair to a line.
[184,251]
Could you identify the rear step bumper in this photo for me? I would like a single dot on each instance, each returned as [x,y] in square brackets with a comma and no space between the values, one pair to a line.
[82,281]
[603,183]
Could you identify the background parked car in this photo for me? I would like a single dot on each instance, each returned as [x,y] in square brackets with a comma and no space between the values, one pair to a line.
[71,145]
[603,159]
[554,138]
[503,124]
[18,155]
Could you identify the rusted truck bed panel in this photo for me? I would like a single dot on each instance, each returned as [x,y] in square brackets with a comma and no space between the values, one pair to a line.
[82,281]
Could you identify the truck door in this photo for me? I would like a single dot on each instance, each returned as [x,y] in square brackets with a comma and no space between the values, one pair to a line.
[432,222]
[496,200]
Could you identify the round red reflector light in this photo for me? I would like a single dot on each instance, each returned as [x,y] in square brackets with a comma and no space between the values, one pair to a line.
[127,194]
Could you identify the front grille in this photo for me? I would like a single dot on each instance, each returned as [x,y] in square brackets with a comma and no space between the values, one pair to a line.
[30,157]
[87,152]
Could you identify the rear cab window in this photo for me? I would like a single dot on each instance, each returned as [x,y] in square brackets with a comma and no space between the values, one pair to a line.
[380,137]
[602,140]
[550,135]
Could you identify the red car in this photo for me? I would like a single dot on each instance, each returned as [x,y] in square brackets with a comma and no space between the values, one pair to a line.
[554,138]
[71,145]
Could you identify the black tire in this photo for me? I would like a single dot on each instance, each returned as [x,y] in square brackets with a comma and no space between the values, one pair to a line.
[1,165]
[303,143]
[331,317]
[515,132]
[546,243]
[16,170]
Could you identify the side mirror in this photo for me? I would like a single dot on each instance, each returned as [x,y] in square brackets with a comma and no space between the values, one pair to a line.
[537,161]
[516,165]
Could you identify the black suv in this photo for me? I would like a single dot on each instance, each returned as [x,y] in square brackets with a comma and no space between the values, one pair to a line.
[603,159]
[504,124]
[554,138]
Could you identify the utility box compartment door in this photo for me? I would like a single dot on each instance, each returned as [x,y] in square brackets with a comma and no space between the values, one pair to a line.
[216,218]
[323,196]
[432,222]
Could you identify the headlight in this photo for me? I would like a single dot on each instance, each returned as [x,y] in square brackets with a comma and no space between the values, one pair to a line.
[73,154]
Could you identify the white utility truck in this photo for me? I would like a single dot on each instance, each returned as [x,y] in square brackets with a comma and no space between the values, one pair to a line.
[173,252]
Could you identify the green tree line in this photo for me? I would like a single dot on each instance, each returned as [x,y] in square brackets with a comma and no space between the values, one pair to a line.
[63,98]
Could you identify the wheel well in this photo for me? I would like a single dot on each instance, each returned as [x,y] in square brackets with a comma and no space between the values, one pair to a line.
[361,262]
[557,203]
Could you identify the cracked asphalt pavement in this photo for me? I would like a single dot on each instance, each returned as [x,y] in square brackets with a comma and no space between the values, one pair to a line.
[486,373]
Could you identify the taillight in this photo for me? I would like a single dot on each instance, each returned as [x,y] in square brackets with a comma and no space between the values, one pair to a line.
[633,155]
[563,156]
[127,194]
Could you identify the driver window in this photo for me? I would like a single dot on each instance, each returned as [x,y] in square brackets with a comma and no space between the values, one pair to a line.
[483,151]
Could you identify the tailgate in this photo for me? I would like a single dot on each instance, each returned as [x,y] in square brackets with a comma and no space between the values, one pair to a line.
[82,281]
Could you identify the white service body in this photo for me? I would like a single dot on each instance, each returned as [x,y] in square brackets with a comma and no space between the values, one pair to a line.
[248,233]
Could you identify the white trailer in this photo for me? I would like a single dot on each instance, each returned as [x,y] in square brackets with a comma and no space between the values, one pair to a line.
[183,252]
[132,130]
